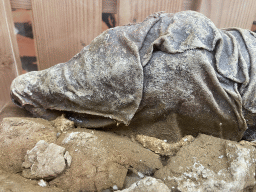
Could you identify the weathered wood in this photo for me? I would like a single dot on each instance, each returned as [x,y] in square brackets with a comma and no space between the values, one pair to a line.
[192,5]
[21,4]
[109,6]
[188,4]
[132,11]
[10,65]
[230,13]
[63,27]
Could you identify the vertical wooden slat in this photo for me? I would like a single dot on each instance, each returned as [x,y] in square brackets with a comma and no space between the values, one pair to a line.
[230,13]
[132,11]
[187,4]
[10,65]
[63,27]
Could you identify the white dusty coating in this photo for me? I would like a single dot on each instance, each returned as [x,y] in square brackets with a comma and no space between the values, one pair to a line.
[148,184]
[203,171]
[170,63]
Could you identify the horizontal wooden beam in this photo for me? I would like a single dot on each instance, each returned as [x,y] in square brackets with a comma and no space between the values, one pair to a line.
[108,6]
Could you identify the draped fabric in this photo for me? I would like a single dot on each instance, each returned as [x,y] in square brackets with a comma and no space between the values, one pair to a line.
[141,73]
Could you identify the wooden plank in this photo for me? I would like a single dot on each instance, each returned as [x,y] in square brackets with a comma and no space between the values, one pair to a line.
[192,5]
[188,4]
[10,65]
[132,11]
[109,6]
[21,4]
[230,13]
[63,27]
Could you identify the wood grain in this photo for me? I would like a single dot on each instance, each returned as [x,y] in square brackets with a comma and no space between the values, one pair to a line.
[10,65]
[63,27]
[132,11]
[230,13]
[21,4]
[109,6]
[192,5]
[188,4]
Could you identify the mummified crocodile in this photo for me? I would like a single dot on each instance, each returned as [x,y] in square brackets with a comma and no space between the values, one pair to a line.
[171,75]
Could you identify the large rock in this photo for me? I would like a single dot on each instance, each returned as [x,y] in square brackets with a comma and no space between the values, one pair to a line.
[148,184]
[210,164]
[18,135]
[45,161]
[101,160]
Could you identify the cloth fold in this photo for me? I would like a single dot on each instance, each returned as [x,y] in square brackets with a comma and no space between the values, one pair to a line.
[170,63]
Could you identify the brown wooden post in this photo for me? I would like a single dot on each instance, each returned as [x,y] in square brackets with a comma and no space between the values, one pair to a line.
[10,65]
[132,11]
[63,27]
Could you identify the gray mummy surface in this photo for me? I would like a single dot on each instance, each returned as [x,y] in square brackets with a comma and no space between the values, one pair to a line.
[170,65]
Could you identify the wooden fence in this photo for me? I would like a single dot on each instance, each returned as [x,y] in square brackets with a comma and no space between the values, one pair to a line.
[62,27]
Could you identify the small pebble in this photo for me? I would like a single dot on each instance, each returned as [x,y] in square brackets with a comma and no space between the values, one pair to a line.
[221,156]
[115,187]
[42,183]
[141,175]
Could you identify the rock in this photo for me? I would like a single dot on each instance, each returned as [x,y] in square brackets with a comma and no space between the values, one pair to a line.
[62,124]
[68,158]
[130,179]
[45,161]
[210,164]
[161,147]
[18,135]
[243,142]
[15,183]
[148,184]
[100,160]
[42,183]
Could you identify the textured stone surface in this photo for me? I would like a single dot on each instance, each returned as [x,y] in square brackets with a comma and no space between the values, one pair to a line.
[148,184]
[19,135]
[161,147]
[101,160]
[130,179]
[62,124]
[210,164]
[45,161]
[16,183]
